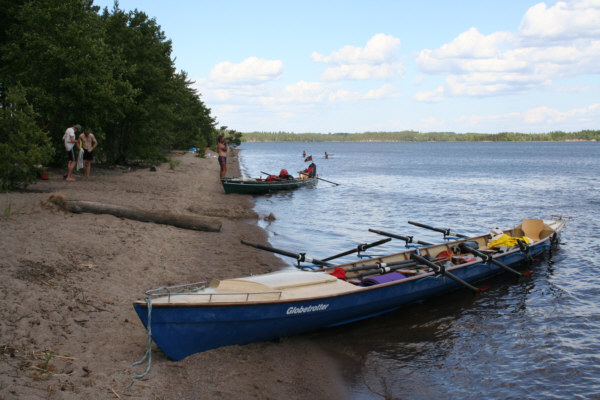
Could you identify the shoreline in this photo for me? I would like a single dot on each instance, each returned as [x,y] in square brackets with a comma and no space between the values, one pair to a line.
[68,329]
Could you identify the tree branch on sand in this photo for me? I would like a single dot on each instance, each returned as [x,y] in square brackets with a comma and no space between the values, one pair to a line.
[193,222]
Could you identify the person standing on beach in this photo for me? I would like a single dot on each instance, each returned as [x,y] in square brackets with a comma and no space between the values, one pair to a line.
[222,151]
[89,143]
[69,141]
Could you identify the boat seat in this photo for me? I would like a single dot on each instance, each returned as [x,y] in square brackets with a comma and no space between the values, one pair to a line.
[532,228]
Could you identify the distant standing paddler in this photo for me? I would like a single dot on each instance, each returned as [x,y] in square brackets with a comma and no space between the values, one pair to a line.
[222,151]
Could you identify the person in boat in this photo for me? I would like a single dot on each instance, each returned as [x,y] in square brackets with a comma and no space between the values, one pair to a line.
[311,171]
[222,152]
[303,153]
[326,155]
[284,176]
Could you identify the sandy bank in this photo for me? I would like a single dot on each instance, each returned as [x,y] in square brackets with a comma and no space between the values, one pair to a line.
[67,327]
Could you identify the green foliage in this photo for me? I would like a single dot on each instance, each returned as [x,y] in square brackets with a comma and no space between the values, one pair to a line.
[110,71]
[173,163]
[190,120]
[23,145]
[411,136]
[233,137]
[55,50]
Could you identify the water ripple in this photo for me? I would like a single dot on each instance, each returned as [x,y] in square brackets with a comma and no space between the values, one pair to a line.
[536,338]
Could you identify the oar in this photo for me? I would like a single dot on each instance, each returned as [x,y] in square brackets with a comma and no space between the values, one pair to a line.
[400,264]
[446,232]
[463,246]
[407,239]
[321,179]
[325,180]
[381,268]
[358,249]
[440,269]
[525,250]
[381,271]
[487,258]
[301,257]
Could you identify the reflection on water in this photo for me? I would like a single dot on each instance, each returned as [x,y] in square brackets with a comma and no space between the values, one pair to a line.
[536,338]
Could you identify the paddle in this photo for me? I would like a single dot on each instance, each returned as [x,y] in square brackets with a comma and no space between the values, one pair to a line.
[463,246]
[400,264]
[301,257]
[382,271]
[525,250]
[446,232]
[358,249]
[407,239]
[325,180]
[321,179]
[266,173]
[487,258]
[440,269]
[382,268]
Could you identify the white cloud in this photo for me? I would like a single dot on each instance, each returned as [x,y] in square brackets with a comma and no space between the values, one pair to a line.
[550,116]
[496,119]
[361,72]
[384,92]
[252,87]
[317,92]
[305,92]
[377,60]
[574,19]
[433,123]
[493,84]
[553,43]
[299,93]
[543,118]
[380,48]
[251,70]
[468,45]
[431,97]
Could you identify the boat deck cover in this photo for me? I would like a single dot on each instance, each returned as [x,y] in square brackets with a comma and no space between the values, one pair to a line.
[292,284]
[280,285]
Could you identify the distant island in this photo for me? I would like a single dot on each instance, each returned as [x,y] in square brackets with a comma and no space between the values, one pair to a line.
[413,136]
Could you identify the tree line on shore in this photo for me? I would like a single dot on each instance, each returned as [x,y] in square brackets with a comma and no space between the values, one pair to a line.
[412,136]
[66,62]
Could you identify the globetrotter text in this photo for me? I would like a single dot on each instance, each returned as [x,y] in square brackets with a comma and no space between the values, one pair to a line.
[302,310]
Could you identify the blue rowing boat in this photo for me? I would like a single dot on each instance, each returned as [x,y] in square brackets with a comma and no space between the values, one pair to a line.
[187,319]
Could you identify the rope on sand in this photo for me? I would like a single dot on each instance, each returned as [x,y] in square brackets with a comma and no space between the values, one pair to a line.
[149,348]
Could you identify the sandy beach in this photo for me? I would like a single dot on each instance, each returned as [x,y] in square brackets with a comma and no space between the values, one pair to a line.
[67,326]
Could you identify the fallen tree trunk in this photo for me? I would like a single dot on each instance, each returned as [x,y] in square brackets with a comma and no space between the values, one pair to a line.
[159,217]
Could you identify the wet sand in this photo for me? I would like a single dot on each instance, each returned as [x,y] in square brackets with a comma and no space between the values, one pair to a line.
[67,326]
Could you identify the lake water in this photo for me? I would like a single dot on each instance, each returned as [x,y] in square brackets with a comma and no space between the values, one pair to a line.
[536,338]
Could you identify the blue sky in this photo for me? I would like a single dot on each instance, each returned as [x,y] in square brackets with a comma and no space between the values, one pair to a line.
[355,66]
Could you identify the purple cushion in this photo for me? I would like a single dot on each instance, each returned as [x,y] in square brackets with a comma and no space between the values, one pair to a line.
[379,279]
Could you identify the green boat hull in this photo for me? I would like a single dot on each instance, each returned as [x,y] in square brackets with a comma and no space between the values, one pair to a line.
[255,186]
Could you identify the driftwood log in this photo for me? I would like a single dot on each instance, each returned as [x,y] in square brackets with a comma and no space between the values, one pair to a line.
[194,222]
